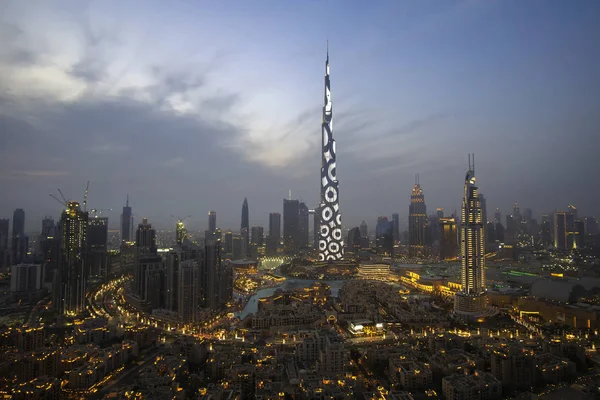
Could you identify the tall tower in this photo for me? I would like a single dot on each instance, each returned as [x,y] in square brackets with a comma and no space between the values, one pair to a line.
[331,245]
[126,223]
[180,232]
[472,299]
[20,242]
[73,240]
[212,221]
[245,229]
[417,219]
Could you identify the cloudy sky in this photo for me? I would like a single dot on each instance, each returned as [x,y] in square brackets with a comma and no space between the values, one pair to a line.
[190,106]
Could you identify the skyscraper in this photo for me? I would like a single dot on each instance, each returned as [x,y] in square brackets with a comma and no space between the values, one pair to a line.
[472,299]
[212,221]
[396,226]
[126,223]
[20,242]
[364,229]
[560,230]
[72,276]
[274,233]
[97,246]
[4,249]
[291,216]
[303,222]
[145,238]
[384,236]
[417,220]
[448,239]
[245,228]
[498,216]
[180,232]
[331,245]
[187,290]
[354,240]
[245,223]
[256,236]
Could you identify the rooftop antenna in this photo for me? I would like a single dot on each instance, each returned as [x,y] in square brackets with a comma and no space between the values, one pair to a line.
[473,156]
[290,194]
[87,187]
[127,204]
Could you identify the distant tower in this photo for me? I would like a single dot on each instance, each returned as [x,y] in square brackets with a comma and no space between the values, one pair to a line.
[73,240]
[274,233]
[180,232]
[498,216]
[245,227]
[364,229]
[417,220]
[396,226]
[126,223]
[472,300]
[212,221]
[145,238]
[20,242]
[291,221]
[331,244]
[303,224]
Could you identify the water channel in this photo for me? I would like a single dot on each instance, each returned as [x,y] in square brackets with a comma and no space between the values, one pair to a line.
[289,284]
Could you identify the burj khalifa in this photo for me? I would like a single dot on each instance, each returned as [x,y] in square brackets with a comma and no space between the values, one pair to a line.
[331,245]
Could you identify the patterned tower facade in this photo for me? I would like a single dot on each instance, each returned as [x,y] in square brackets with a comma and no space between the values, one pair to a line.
[331,245]
[417,220]
[472,298]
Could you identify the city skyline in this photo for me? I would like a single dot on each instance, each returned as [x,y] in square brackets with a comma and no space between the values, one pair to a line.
[504,99]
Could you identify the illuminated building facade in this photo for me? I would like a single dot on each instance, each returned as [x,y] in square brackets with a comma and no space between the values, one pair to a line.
[472,299]
[560,230]
[73,239]
[417,220]
[180,232]
[331,244]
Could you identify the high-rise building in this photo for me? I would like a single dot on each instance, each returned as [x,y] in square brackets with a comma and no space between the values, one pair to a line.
[560,230]
[303,223]
[498,216]
[517,213]
[97,247]
[472,299]
[364,229]
[228,245]
[181,232]
[291,217]
[20,241]
[212,221]
[72,276]
[384,236]
[4,249]
[354,240]
[215,278]
[439,213]
[417,220]
[145,238]
[187,291]
[126,223]
[591,226]
[331,245]
[256,236]
[274,233]
[26,278]
[396,227]
[547,229]
[448,239]
[173,261]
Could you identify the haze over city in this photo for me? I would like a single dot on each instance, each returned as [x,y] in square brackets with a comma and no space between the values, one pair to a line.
[192,106]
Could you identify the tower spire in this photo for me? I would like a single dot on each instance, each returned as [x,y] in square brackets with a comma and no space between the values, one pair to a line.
[127,203]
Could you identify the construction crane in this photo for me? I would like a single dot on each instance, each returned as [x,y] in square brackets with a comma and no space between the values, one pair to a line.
[179,219]
[87,188]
